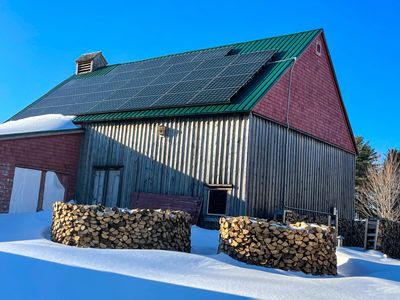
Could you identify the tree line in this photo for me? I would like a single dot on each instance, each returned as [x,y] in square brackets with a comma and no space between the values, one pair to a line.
[377,183]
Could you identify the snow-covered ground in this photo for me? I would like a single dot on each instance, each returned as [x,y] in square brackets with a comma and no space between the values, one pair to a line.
[32,267]
[38,124]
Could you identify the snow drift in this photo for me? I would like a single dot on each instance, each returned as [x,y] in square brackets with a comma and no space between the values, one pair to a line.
[32,267]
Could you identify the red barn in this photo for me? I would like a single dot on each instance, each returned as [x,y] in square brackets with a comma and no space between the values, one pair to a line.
[252,128]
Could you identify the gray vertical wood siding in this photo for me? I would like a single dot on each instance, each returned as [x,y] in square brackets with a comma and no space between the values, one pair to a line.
[247,152]
[319,176]
[195,151]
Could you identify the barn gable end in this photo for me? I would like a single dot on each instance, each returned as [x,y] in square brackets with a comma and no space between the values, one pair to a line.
[316,107]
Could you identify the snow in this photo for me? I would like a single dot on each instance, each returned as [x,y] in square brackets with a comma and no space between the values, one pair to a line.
[49,122]
[33,267]
[53,190]
[25,190]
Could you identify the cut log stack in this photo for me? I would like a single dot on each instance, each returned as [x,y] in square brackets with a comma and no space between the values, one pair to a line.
[294,217]
[389,238]
[298,247]
[101,227]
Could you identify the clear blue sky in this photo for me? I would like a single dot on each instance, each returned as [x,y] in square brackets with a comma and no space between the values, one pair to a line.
[40,41]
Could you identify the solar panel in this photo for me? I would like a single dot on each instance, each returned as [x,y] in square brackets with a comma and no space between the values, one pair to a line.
[183,67]
[126,68]
[93,97]
[182,58]
[213,53]
[241,69]
[152,63]
[124,93]
[107,105]
[197,78]
[187,86]
[213,96]
[155,89]
[204,73]
[168,78]
[71,109]
[174,99]
[138,102]
[227,81]
[152,71]
[139,82]
[223,61]
[125,76]
[254,56]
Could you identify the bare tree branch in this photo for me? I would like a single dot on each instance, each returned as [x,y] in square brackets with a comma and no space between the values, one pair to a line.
[379,196]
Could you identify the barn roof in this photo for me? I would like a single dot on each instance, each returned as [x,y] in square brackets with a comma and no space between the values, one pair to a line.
[284,47]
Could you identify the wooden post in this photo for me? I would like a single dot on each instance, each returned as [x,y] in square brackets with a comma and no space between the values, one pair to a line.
[366,234]
[376,234]
[41,191]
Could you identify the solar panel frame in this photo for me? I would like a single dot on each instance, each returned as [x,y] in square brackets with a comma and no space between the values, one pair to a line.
[204,77]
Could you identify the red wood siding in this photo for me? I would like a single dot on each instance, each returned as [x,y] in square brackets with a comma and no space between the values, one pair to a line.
[58,153]
[316,108]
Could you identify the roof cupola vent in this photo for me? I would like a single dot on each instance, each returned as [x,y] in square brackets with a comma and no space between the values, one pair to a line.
[90,62]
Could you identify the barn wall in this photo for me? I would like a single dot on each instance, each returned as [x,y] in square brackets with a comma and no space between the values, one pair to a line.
[56,152]
[320,176]
[316,107]
[195,151]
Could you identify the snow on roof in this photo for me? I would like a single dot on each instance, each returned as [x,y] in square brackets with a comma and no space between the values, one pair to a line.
[51,122]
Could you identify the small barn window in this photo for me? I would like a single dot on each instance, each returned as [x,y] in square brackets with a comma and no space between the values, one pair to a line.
[217,202]
[106,186]
[318,48]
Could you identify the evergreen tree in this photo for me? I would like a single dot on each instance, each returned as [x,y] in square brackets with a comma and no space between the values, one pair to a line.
[366,158]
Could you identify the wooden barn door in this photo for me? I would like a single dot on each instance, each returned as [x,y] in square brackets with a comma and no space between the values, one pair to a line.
[106,186]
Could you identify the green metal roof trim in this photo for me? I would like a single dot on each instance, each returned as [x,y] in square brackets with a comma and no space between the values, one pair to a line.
[288,46]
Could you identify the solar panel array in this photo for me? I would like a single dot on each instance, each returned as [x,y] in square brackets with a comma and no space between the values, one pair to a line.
[197,78]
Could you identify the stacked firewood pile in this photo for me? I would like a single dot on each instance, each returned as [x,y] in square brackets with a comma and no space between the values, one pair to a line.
[297,247]
[100,227]
[293,217]
[389,238]
[353,232]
